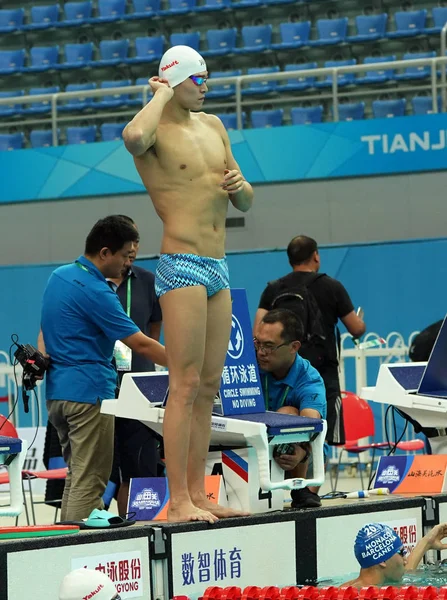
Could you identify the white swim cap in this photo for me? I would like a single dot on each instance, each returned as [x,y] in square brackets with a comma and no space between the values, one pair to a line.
[83,584]
[180,62]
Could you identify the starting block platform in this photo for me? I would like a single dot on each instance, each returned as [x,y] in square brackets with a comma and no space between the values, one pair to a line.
[12,456]
[418,389]
[141,397]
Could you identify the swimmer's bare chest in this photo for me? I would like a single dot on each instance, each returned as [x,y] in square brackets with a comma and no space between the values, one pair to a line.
[187,160]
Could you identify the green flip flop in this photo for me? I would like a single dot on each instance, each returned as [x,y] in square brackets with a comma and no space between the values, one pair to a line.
[102,519]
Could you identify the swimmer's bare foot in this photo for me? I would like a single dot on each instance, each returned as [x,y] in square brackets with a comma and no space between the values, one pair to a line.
[222,512]
[189,512]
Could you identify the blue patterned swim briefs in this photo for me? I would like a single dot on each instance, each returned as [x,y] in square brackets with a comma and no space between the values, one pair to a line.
[186,270]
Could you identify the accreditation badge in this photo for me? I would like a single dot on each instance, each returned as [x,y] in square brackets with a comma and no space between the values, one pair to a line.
[123,356]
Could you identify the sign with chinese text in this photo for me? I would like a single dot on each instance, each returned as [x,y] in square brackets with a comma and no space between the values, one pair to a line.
[240,389]
[124,569]
[231,557]
[149,496]
[412,474]
[407,530]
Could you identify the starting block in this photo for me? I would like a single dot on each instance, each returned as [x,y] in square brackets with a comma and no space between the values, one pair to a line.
[12,456]
[240,426]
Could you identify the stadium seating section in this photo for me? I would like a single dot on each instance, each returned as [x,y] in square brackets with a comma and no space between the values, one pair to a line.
[102,44]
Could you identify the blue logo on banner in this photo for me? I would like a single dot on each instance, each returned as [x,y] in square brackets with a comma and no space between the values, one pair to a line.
[240,389]
[392,470]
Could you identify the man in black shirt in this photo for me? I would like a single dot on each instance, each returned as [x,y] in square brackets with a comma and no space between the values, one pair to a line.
[334,303]
[136,446]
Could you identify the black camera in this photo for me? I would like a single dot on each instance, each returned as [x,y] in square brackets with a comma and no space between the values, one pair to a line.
[34,365]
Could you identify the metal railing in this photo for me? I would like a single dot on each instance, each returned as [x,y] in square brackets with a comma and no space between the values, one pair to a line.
[335,89]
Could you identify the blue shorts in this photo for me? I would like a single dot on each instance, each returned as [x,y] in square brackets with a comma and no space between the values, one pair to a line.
[176,271]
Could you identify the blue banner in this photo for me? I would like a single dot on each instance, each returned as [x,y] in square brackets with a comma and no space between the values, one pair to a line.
[290,153]
[240,389]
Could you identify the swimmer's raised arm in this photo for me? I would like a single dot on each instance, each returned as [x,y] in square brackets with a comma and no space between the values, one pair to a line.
[140,134]
[239,190]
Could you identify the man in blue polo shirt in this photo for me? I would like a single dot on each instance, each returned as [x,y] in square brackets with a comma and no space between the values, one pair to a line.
[291,385]
[82,319]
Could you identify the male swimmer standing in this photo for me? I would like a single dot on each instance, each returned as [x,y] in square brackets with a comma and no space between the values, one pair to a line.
[184,159]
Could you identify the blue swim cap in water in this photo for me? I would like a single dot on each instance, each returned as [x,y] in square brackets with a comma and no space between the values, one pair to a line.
[376,543]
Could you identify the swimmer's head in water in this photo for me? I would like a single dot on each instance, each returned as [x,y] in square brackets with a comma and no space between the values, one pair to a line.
[376,543]
[179,63]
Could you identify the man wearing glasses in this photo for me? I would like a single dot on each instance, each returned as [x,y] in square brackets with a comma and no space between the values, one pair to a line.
[87,583]
[290,385]
[383,557]
[184,159]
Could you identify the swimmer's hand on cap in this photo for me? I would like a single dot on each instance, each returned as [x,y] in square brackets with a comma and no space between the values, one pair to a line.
[233,181]
[158,83]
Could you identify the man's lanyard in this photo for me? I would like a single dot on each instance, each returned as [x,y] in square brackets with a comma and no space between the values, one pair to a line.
[78,264]
[267,397]
[129,288]
[129,295]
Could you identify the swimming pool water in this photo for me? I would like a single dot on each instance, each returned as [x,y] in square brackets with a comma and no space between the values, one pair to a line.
[435,574]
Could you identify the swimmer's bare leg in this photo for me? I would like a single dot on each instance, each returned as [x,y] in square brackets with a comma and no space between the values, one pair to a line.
[184,322]
[218,327]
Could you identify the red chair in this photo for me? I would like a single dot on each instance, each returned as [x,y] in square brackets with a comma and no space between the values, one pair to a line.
[358,420]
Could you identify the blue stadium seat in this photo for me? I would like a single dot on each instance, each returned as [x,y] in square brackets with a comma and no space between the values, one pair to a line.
[37,108]
[179,7]
[11,19]
[388,108]
[261,87]
[77,56]
[302,82]
[230,120]
[306,115]
[117,99]
[138,99]
[235,4]
[267,118]
[11,61]
[186,39]
[81,135]
[377,76]
[43,58]
[225,90]
[147,49]
[408,23]
[330,31]
[293,35]
[279,2]
[369,28]
[11,110]
[80,103]
[43,17]
[257,38]
[143,9]
[351,111]
[41,138]
[113,52]
[423,105]
[415,72]
[11,141]
[213,5]
[439,14]
[109,11]
[345,79]
[220,41]
[76,13]
[112,131]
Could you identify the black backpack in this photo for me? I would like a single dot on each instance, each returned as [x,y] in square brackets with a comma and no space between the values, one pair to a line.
[301,301]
